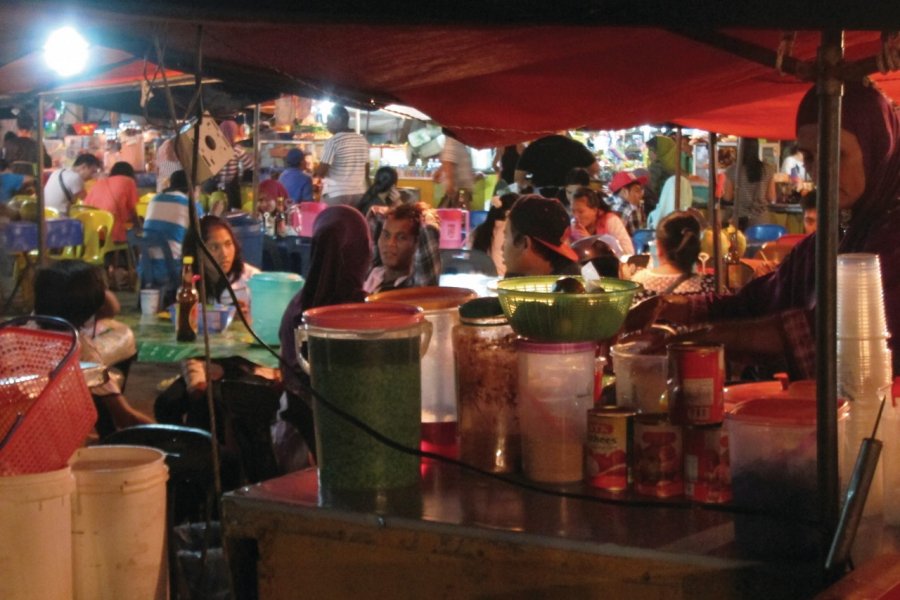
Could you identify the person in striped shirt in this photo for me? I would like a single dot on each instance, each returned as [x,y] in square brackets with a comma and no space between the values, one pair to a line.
[168,213]
[344,164]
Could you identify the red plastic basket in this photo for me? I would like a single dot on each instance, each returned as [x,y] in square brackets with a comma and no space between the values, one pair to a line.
[46,409]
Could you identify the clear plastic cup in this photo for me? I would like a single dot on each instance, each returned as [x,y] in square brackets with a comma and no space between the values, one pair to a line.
[864,369]
[860,298]
[641,379]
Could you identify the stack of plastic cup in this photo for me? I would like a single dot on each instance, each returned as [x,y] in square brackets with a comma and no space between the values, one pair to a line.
[864,359]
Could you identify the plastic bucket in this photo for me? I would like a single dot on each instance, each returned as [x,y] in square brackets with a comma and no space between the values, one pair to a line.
[271,292]
[35,526]
[119,522]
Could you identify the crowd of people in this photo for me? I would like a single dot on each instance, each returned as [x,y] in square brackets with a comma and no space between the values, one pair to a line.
[369,239]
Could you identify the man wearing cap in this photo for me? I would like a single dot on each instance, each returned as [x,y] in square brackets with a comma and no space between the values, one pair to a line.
[297,183]
[627,195]
[535,241]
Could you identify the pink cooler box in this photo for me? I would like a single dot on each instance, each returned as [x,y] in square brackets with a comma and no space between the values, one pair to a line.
[454,227]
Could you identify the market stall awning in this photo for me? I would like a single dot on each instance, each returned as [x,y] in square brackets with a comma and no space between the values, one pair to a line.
[491,84]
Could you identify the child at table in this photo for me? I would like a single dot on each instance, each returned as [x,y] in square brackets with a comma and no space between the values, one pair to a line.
[76,291]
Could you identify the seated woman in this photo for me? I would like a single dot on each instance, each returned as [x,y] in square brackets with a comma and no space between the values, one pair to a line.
[678,246]
[341,253]
[488,237]
[591,216]
[184,401]
[76,291]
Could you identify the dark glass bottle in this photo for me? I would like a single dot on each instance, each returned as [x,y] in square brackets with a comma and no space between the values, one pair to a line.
[733,268]
[280,219]
[187,301]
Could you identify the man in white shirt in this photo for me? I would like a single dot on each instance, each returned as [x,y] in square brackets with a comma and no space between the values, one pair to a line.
[66,186]
[344,164]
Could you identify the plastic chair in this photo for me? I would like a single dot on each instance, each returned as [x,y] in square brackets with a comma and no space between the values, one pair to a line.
[476,218]
[641,238]
[98,240]
[467,261]
[156,267]
[250,410]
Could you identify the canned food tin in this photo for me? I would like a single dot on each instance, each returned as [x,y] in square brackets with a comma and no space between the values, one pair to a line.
[707,473]
[608,448]
[697,382]
[657,461]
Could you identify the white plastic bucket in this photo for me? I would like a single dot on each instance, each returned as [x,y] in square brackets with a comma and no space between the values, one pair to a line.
[119,523]
[35,525]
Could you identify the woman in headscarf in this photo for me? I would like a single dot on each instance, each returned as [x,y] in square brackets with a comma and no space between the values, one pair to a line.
[869,199]
[341,254]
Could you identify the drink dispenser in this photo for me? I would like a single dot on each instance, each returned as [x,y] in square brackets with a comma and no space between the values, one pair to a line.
[365,360]
[441,306]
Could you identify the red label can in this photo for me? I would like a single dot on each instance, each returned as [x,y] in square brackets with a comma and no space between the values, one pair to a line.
[697,383]
[658,464]
[707,472]
[607,450]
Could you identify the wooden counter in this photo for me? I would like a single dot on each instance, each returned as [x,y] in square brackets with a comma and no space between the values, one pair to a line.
[462,535]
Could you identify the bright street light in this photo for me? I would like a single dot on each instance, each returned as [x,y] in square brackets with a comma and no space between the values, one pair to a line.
[66,51]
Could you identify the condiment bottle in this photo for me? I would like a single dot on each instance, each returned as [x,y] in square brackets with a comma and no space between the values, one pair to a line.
[187,300]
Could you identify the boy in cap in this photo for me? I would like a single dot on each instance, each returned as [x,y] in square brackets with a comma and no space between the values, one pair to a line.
[627,195]
[297,183]
[534,243]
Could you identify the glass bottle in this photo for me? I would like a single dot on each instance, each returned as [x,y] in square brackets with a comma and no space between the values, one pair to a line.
[733,266]
[187,303]
[280,219]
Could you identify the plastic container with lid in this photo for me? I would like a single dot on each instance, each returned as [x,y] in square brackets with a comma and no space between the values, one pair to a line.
[364,358]
[772,443]
[556,389]
[441,306]
[486,379]
[270,293]
[641,379]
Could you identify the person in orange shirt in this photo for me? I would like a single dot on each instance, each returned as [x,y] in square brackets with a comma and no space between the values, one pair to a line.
[118,195]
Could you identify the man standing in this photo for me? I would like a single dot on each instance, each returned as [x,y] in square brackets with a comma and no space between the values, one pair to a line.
[549,159]
[627,199]
[66,186]
[344,164]
[455,173]
[22,152]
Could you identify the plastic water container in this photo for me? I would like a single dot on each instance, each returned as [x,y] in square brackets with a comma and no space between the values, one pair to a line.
[119,523]
[454,226]
[270,293]
[556,389]
[36,529]
[772,442]
[308,213]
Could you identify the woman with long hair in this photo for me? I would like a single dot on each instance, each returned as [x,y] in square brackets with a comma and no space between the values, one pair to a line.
[592,216]
[381,190]
[755,186]
[488,236]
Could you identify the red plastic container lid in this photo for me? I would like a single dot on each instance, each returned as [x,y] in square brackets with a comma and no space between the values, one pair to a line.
[430,297]
[364,315]
[554,348]
[776,411]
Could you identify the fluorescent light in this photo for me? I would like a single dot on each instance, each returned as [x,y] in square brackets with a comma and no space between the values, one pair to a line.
[66,51]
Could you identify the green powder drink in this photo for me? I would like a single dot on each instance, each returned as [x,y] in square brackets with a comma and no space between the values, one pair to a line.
[365,359]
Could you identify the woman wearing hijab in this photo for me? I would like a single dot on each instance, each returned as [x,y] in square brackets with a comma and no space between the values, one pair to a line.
[341,253]
[869,202]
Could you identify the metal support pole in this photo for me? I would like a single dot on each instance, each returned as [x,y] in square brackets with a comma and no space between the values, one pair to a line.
[830,89]
[715,215]
[256,153]
[678,168]
[39,185]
